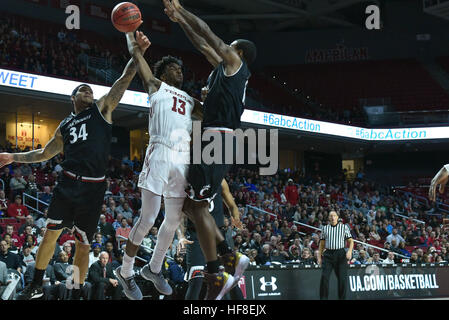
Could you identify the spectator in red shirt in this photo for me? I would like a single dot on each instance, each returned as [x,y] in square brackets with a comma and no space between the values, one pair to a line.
[14,237]
[123,231]
[67,237]
[17,209]
[291,193]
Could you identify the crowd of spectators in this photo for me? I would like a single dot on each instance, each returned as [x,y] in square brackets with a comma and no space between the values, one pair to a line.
[281,215]
[59,53]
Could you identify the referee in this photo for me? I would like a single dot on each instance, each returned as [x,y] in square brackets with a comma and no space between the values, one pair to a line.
[332,249]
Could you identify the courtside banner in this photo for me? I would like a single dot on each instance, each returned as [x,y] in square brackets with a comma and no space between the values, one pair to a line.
[35,82]
[363,282]
[40,83]
[340,130]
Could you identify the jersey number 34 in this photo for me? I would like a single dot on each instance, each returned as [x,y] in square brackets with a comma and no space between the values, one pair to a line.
[82,133]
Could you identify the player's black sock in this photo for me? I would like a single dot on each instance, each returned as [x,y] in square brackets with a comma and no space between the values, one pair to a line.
[223,248]
[38,276]
[213,266]
[76,293]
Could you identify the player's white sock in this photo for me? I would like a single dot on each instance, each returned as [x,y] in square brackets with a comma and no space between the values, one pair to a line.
[127,266]
[173,217]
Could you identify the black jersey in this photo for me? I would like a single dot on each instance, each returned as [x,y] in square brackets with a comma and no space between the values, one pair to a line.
[225,100]
[215,209]
[87,142]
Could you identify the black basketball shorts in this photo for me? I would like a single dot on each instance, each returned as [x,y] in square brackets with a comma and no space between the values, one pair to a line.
[205,179]
[76,205]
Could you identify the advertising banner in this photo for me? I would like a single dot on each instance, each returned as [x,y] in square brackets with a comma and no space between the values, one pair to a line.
[366,282]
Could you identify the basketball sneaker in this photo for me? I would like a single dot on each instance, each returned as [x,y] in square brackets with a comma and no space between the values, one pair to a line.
[218,284]
[158,280]
[235,263]
[30,292]
[130,288]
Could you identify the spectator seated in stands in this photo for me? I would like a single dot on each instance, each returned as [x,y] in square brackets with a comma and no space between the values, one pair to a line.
[3,204]
[15,239]
[11,260]
[52,288]
[17,184]
[264,257]
[105,228]
[306,256]
[17,209]
[123,231]
[94,255]
[46,195]
[68,249]
[41,222]
[29,221]
[11,247]
[26,256]
[67,236]
[103,279]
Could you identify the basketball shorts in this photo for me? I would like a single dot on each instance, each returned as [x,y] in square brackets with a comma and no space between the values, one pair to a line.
[164,171]
[205,179]
[76,205]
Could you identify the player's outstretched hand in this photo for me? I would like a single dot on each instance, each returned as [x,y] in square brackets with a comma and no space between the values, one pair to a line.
[182,245]
[440,180]
[143,41]
[5,159]
[172,10]
[237,223]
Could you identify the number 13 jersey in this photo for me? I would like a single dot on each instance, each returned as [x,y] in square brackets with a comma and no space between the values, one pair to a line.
[170,117]
[168,154]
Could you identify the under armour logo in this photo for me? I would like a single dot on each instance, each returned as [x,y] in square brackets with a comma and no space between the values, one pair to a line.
[272,284]
[205,188]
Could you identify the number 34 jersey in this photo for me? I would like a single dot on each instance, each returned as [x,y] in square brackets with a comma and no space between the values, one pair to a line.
[170,117]
[87,142]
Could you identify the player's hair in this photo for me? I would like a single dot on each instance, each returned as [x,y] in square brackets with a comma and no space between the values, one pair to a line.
[161,65]
[76,90]
[249,50]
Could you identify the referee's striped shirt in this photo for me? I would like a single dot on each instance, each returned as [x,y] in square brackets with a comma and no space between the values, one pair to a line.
[335,236]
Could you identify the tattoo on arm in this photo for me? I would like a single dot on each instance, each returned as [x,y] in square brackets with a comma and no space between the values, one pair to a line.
[112,99]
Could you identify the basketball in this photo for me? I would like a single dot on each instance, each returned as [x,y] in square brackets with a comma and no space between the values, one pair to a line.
[126,17]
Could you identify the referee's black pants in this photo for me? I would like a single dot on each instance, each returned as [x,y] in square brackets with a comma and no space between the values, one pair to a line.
[334,260]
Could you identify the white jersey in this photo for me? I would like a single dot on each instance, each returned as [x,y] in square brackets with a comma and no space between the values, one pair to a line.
[170,119]
[168,154]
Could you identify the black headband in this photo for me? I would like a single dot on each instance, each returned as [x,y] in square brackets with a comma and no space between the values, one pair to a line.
[77,88]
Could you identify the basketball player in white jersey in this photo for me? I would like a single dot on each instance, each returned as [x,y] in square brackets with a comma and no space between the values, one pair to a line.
[165,167]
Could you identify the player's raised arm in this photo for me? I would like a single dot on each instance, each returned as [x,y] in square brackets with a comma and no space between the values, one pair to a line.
[228,199]
[229,56]
[110,101]
[51,149]
[198,42]
[136,48]
[440,181]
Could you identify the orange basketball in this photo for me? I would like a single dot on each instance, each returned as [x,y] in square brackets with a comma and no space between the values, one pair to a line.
[126,17]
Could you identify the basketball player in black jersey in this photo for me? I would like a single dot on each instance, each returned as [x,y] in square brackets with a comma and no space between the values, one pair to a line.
[194,255]
[223,108]
[85,138]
